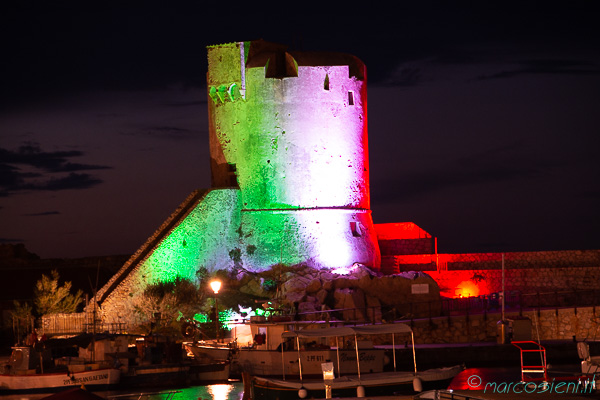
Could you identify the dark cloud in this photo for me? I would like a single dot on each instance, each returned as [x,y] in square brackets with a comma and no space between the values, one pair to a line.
[31,154]
[44,166]
[549,66]
[72,181]
[164,132]
[493,165]
[591,194]
[404,76]
[42,214]
[193,103]
[10,240]
[453,56]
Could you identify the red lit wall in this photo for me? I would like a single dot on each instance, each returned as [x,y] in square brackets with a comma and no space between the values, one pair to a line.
[403,239]
[400,230]
[476,274]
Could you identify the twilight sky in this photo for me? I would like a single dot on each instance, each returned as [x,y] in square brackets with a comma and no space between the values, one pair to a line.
[483,117]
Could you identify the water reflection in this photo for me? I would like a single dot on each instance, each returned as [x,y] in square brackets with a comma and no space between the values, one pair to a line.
[477,378]
[482,378]
[229,391]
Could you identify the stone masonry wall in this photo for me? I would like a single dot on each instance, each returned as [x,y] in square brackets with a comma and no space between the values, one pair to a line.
[406,246]
[552,324]
[477,261]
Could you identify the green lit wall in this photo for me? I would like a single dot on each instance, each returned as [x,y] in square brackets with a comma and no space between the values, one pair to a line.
[206,237]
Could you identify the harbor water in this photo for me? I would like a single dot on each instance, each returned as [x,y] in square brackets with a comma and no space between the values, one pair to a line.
[477,380]
[233,390]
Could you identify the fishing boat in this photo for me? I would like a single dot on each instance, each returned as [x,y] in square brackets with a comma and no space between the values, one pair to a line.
[155,361]
[257,349]
[25,372]
[358,383]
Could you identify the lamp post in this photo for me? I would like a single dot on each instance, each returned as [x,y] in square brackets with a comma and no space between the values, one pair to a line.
[216,286]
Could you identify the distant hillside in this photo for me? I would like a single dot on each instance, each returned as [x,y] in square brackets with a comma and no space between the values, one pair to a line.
[22,269]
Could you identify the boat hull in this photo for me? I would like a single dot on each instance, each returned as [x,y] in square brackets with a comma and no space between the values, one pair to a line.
[377,384]
[206,353]
[155,375]
[92,379]
[200,374]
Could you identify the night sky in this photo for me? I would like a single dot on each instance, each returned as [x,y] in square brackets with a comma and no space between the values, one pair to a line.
[483,116]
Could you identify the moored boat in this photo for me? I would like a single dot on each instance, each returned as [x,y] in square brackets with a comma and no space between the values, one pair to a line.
[372,384]
[256,348]
[358,383]
[24,374]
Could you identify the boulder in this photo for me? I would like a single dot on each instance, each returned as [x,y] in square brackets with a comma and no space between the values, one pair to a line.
[322,296]
[295,284]
[353,300]
[295,297]
[313,286]
[254,288]
[373,308]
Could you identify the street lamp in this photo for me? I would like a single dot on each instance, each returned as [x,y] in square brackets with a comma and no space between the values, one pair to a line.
[216,286]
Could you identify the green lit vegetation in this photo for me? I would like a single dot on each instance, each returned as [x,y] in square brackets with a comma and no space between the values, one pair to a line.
[201,318]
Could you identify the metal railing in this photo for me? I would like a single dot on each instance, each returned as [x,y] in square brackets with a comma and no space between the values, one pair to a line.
[76,323]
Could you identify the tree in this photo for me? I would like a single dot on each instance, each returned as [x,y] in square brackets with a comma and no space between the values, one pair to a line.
[22,319]
[50,298]
[173,301]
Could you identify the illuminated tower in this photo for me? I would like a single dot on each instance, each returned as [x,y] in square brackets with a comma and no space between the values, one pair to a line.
[290,130]
[290,181]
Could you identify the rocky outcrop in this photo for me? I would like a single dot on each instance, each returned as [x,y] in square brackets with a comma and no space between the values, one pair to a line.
[360,295]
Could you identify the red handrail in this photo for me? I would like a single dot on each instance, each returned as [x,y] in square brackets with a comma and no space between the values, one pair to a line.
[529,346]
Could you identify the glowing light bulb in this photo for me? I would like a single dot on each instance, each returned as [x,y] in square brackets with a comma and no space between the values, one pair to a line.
[215,286]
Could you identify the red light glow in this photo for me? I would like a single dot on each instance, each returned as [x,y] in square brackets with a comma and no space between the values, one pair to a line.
[467,289]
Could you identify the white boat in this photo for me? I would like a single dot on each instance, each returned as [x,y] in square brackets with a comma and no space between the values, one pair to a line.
[257,349]
[358,383]
[21,375]
[206,352]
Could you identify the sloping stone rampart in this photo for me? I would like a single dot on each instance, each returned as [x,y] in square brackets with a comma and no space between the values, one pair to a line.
[176,217]
[204,236]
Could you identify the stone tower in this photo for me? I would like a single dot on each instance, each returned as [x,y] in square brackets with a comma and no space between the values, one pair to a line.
[289,129]
[290,174]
